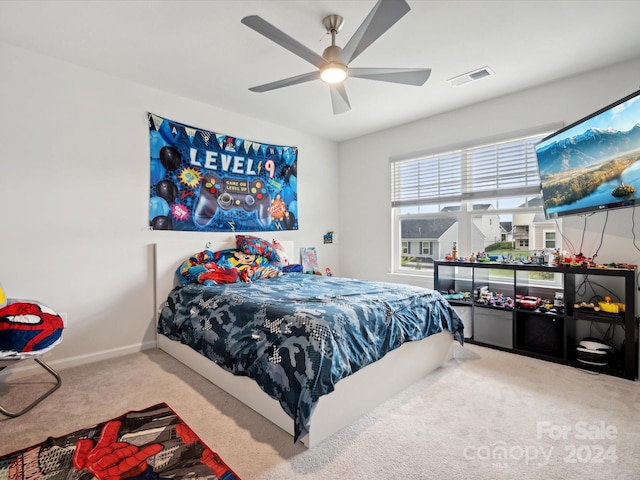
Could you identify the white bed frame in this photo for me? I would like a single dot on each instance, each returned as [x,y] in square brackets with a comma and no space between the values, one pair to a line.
[353,396]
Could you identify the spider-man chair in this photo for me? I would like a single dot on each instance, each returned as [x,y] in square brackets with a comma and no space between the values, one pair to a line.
[28,330]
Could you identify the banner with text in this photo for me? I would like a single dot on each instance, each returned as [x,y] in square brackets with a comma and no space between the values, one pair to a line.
[206,181]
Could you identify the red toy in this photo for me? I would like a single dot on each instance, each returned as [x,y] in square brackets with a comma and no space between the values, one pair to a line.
[528,302]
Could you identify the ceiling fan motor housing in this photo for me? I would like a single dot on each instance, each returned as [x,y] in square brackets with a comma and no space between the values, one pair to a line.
[332,53]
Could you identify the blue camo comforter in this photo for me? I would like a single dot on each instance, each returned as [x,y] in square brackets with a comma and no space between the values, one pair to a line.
[297,335]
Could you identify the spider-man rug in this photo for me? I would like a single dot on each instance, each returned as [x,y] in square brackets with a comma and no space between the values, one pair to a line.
[154,443]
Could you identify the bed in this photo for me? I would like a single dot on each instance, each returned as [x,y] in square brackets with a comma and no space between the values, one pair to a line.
[309,407]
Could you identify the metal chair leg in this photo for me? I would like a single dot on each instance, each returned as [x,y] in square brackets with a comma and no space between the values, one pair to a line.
[9,413]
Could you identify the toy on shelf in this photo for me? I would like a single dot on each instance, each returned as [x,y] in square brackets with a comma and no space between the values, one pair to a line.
[451,294]
[549,307]
[626,266]
[611,307]
[588,305]
[482,257]
[499,300]
[528,302]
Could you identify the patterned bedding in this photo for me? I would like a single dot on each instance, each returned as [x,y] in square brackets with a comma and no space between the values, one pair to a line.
[297,335]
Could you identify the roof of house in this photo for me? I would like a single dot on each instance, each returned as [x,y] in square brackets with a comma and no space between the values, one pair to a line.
[533,202]
[426,227]
[478,206]
[506,226]
[539,218]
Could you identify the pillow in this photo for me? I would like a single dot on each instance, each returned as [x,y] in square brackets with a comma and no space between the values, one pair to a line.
[250,266]
[284,260]
[191,268]
[292,268]
[257,246]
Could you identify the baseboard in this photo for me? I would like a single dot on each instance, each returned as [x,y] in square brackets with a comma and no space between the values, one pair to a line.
[25,368]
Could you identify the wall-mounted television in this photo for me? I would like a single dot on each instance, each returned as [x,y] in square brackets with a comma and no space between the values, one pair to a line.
[593,164]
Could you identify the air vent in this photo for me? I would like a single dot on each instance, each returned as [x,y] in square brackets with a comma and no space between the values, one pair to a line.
[470,77]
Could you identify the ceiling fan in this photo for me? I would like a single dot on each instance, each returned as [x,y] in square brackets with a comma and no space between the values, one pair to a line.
[333,64]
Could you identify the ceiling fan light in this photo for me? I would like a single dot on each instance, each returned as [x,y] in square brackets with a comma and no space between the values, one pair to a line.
[333,72]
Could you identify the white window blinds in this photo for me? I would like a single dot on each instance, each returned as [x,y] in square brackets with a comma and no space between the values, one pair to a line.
[500,169]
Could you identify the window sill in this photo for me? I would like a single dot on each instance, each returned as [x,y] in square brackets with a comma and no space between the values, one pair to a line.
[418,279]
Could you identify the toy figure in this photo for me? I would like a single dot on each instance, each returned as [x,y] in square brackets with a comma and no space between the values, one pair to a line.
[508,303]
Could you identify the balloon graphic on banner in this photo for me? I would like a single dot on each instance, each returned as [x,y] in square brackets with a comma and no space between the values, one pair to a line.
[162,223]
[293,207]
[167,190]
[158,207]
[287,194]
[286,173]
[157,171]
[155,143]
[170,158]
[289,220]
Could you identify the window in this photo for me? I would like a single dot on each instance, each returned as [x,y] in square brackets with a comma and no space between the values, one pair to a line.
[550,240]
[484,198]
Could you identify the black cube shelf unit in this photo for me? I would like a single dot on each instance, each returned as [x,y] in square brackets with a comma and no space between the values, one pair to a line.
[549,335]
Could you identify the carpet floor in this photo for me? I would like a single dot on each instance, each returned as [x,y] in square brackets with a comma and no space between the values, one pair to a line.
[486,414]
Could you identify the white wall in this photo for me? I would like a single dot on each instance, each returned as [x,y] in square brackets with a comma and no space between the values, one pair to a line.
[74,196]
[365,226]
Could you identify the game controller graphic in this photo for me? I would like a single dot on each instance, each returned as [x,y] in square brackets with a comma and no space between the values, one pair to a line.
[229,194]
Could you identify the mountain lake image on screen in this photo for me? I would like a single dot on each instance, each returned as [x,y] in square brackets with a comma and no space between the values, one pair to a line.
[592,164]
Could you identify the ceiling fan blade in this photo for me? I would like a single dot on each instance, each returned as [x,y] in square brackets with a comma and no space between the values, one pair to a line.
[406,76]
[383,16]
[339,99]
[275,35]
[287,82]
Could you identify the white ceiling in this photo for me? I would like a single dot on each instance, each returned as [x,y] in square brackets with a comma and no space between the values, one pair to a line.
[200,50]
